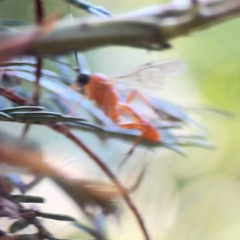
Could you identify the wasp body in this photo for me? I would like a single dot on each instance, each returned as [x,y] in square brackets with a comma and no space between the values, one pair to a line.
[99,89]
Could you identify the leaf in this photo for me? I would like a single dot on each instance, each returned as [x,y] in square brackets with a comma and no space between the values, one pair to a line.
[163,125]
[171,110]
[4,116]
[29,115]
[18,225]
[196,143]
[56,217]
[61,104]
[22,108]
[68,219]
[27,199]
[31,70]
[96,10]
[25,61]
[43,117]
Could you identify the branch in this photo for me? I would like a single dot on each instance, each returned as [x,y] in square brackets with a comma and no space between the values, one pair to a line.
[148,28]
[39,12]
[64,130]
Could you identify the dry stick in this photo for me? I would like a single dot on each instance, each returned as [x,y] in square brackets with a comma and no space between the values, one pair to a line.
[36,93]
[10,95]
[25,130]
[135,28]
[39,19]
[39,10]
[61,128]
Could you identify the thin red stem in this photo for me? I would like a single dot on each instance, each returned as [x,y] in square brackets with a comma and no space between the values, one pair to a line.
[39,10]
[65,130]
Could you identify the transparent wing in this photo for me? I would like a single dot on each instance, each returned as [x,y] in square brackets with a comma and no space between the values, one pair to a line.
[149,75]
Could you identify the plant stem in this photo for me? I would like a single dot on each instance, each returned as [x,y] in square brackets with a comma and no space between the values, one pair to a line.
[63,129]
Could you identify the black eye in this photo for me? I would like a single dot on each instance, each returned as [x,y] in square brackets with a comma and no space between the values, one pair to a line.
[83,78]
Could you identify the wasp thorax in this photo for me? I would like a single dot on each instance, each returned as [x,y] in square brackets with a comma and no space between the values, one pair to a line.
[83,78]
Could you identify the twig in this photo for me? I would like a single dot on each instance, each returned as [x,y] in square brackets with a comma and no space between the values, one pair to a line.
[10,94]
[36,93]
[63,129]
[25,130]
[150,27]
[39,10]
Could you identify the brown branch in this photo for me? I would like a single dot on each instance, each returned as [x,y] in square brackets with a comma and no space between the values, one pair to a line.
[36,93]
[63,129]
[25,130]
[10,94]
[150,27]
[39,10]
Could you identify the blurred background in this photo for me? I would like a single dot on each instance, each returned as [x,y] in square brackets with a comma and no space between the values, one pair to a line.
[197,197]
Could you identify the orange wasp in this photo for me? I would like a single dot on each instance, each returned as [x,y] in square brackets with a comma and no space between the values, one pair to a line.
[103,91]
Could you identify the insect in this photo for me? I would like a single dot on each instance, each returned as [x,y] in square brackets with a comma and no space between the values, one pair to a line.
[104,91]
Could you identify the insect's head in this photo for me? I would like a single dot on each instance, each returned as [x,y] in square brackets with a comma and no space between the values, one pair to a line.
[82,80]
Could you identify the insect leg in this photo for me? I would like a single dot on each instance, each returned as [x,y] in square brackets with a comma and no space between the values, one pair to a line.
[133,187]
[135,144]
[125,108]
[138,124]
[145,99]
[135,94]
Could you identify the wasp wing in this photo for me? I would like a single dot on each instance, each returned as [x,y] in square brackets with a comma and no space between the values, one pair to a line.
[149,75]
